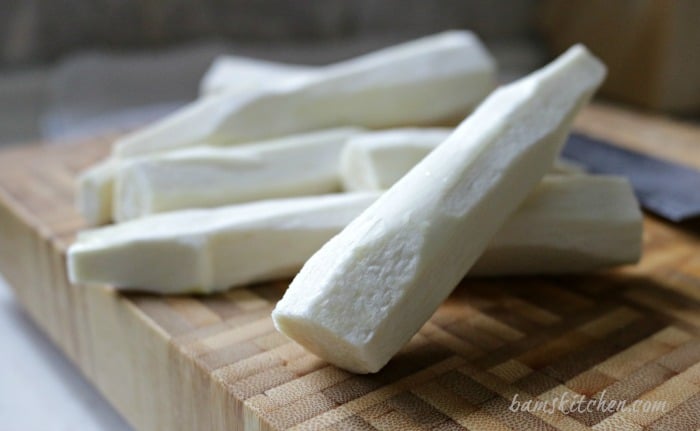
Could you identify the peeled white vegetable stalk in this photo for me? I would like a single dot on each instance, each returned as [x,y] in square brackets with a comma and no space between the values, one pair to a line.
[568,224]
[201,177]
[208,250]
[377,160]
[368,290]
[432,79]
[241,74]
[369,161]
[94,192]
[236,76]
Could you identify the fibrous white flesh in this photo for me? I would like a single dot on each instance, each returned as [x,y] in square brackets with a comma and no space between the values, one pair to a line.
[370,161]
[420,82]
[212,249]
[241,74]
[569,224]
[236,76]
[377,160]
[94,192]
[368,290]
[213,176]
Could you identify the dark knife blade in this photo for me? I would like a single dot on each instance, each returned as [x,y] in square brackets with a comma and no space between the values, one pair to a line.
[667,189]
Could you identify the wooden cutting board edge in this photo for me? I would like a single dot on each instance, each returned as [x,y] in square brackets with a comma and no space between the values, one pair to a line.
[134,369]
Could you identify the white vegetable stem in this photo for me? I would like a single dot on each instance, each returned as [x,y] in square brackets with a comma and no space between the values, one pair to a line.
[212,249]
[377,160]
[569,224]
[369,161]
[421,82]
[94,192]
[213,176]
[241,74]
[236,76]
[367,291]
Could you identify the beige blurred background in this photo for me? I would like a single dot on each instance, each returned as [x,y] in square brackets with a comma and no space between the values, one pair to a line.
[75,68]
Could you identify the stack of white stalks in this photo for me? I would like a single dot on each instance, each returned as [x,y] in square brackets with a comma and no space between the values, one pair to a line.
[338,174]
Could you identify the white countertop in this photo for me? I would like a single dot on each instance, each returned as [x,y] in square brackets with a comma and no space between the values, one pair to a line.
[40,389]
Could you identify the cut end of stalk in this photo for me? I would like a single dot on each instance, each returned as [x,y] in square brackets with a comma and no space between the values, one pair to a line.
[318,340]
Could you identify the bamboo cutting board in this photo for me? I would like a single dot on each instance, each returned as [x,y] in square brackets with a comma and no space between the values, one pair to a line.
[216,362]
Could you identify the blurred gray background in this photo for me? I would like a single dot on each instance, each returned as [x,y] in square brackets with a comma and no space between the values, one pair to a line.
[74,68]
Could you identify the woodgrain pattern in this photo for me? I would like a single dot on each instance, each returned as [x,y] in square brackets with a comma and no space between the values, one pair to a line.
[216,362]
